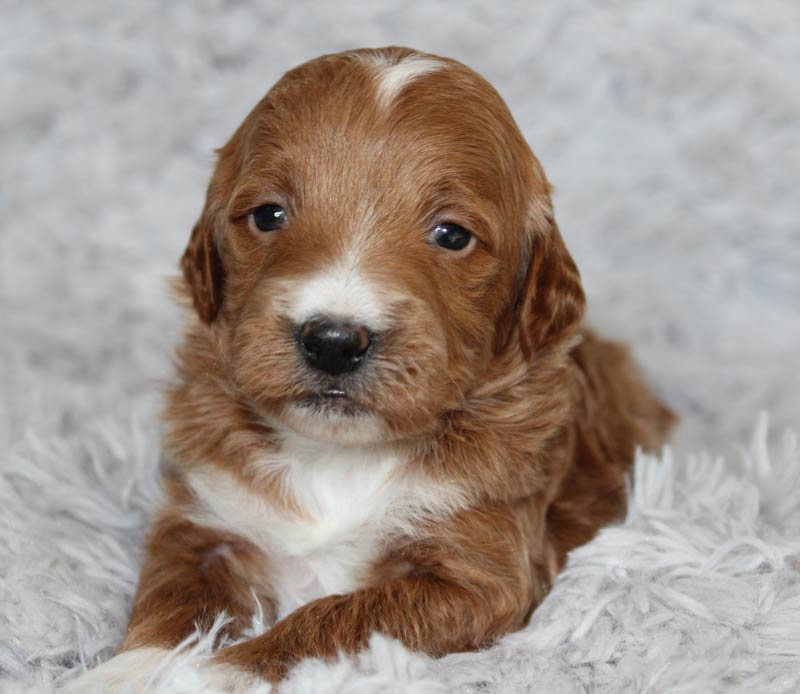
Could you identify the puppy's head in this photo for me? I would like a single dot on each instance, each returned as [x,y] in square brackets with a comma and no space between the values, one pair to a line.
[375,233]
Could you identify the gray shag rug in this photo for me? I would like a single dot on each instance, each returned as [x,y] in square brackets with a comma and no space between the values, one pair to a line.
[670,130]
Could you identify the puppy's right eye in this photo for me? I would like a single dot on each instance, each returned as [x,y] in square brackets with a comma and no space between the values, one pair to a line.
[267,218]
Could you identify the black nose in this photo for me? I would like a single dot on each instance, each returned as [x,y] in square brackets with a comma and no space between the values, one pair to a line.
[332,346]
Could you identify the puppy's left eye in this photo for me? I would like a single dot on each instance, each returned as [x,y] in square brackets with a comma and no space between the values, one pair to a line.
[267,218]
[451,236]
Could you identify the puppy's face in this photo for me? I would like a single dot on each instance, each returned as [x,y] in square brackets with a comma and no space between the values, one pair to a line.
[375,233]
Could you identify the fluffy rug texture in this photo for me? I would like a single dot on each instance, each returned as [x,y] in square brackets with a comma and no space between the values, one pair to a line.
[670,130]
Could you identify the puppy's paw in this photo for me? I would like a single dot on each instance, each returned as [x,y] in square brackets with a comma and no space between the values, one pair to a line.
[159,671]
[214,677]
[127,673]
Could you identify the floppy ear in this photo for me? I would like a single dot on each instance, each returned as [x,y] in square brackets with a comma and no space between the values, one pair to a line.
[552,301]
[203,270]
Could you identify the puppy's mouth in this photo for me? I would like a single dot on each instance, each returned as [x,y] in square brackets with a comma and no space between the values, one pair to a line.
[332,400]
[333,413]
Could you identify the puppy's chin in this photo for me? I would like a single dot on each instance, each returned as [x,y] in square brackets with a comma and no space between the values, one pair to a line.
[337,423]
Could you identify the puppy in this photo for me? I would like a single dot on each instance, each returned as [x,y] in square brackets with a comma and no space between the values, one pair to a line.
[388,416]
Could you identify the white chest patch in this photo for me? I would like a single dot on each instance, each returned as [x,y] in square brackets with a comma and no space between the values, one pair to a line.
[352,499]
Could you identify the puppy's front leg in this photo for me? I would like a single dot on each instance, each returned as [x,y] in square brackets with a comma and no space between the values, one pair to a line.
[190,575]
[449,601]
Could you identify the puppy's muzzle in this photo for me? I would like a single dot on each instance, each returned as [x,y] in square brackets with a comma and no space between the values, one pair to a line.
[332,346]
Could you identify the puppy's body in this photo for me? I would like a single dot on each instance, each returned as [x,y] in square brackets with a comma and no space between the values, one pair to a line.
[428,476]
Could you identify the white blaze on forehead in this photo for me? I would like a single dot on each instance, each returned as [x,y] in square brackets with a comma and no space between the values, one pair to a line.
[340,291]
[392,79]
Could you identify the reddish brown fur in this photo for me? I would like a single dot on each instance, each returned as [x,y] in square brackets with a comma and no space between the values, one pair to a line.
[503,393]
